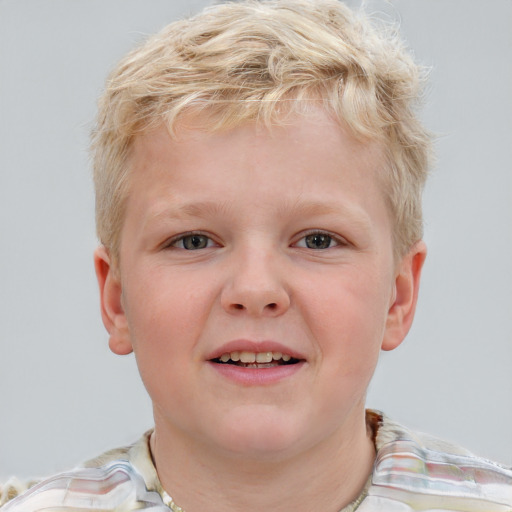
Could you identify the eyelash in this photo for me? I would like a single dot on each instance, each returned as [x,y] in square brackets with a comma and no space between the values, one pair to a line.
[189,235]
[332,238]
[173,243]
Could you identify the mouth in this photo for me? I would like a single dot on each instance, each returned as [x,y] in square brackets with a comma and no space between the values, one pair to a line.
[256,360]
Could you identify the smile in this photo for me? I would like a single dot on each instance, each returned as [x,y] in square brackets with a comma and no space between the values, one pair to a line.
[247,359]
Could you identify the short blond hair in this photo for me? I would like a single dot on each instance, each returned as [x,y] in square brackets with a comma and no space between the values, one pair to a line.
[255,60]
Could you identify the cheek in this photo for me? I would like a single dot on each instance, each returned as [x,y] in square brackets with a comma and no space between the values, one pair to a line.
[165,307]
[163,333]
[349,319]
[164,321]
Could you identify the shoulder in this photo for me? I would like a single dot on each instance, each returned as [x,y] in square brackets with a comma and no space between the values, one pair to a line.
[116,480]
[14,487]
[415,471]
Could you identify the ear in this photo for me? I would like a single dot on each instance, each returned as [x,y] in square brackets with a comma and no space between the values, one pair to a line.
[405,296]
[112,311]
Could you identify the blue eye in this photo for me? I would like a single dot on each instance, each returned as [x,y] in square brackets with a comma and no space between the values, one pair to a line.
[193,242]
[317,241]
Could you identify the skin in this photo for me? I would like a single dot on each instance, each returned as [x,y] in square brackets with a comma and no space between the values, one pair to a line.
[255,198]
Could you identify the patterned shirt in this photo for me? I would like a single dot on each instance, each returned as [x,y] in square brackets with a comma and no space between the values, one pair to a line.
[412,472]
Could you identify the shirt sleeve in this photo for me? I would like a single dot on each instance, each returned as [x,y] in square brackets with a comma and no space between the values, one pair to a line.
[12,488]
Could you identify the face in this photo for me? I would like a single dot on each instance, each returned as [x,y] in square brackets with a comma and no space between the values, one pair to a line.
[257,283]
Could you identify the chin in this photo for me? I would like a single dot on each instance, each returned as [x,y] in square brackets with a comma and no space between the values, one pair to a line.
[260,434]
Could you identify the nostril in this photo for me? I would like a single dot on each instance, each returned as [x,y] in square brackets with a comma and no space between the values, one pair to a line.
[256,307]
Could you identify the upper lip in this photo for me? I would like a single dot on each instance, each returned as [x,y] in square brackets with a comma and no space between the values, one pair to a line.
[253,346]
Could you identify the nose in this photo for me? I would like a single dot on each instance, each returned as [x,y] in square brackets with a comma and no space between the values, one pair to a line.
[256,287]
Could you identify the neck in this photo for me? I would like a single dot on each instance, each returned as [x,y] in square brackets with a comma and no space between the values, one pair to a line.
[325,477]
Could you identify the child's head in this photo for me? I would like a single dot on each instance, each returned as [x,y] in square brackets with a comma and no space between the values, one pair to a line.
[257,281]
[258,171]
[259,61]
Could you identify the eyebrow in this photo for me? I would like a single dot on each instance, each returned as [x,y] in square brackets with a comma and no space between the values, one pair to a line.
[205,209]
[202,209]
[198,210]
[355,215]
[310,208]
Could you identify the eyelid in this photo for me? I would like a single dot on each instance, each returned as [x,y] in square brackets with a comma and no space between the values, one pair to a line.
[171,242]
[340,241]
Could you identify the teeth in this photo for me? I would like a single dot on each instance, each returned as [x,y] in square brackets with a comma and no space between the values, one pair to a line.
[264,357]
[247,357]
[254,357]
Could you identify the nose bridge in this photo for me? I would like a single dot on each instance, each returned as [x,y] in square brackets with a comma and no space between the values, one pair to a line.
[256,282]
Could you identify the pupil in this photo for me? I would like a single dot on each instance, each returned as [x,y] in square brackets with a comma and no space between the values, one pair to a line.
[195,242]
[318,241]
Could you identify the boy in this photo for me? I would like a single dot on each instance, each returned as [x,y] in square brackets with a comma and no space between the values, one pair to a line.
[258,173]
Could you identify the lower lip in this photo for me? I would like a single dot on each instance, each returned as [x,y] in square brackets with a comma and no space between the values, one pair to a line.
[256,376]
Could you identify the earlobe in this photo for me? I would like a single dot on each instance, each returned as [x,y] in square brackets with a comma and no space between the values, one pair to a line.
[112,311]
[406,288]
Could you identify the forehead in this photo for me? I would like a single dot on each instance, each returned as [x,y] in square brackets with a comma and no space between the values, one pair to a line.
[301,138]
[308,166]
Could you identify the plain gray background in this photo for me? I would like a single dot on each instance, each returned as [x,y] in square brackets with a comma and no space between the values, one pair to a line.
[65,398]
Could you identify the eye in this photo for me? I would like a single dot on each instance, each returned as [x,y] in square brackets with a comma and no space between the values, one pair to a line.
[318,240]
[192,242]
